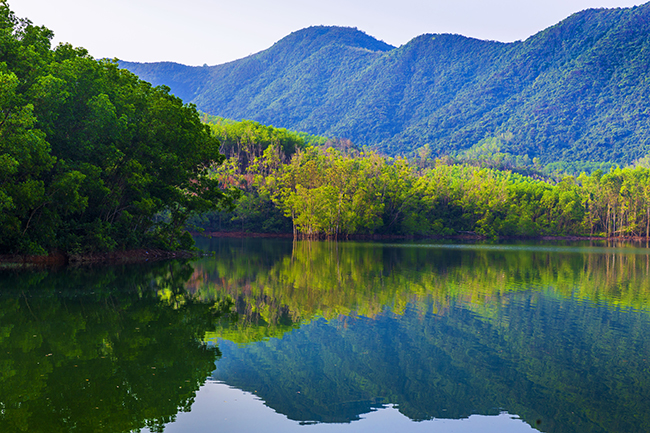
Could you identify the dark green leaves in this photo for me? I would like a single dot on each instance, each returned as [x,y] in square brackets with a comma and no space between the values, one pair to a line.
[90,155]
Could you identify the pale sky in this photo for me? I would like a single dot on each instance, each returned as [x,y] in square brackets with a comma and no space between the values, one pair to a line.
[197,32]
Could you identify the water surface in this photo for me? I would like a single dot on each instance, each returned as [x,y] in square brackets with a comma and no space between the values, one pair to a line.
[272,335]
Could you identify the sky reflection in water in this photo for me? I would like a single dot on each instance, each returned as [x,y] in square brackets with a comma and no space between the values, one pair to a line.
[230,409]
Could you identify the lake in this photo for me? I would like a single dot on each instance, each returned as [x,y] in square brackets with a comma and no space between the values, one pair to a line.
[274,335]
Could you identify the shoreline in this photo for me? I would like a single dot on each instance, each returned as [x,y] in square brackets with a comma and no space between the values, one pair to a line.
[142,255]
[465,236]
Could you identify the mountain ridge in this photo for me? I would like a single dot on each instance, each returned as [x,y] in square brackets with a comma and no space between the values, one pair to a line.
[574,91]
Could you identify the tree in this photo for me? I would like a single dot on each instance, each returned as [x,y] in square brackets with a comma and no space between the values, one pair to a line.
[91,157]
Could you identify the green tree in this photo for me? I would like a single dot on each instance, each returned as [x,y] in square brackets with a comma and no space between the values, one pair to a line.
[91,157]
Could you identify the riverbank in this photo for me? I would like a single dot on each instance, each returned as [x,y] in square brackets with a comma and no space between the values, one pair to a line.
[466,236]
[146,255]
[115,257]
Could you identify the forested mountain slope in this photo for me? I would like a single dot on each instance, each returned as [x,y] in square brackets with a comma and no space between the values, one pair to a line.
[577,91]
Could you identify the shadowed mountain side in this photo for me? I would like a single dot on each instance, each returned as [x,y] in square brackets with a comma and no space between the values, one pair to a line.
[248,84]
[575,91]
[182,80]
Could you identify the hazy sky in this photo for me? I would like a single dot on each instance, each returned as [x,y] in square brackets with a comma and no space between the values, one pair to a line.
[195,32]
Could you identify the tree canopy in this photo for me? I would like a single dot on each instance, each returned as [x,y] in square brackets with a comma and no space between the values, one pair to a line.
[91,157]
[335,189]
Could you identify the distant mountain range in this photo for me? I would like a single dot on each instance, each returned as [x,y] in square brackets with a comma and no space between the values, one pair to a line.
[577,91]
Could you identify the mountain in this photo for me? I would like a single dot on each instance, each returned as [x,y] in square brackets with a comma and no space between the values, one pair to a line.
[577,91]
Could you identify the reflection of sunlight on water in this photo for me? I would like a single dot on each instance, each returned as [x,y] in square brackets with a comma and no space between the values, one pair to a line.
[219,407]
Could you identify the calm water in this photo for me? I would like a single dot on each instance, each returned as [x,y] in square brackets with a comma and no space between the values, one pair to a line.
[271,335]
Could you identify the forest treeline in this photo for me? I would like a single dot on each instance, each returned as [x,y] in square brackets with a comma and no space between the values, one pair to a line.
[91,157]
[94,159]
[318,188]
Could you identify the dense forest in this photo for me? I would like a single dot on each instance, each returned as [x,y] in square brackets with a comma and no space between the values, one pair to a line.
[91,157]
[94,159]
[330,188]
[573,93]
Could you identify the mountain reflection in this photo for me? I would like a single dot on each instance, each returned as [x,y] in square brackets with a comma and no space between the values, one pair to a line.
[326,332]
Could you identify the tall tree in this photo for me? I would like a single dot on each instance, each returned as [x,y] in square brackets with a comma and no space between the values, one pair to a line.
[91,157]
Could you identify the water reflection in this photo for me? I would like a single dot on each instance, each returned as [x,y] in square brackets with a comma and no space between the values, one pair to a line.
[104,350]
[231,409]
[556,335]
[353,333]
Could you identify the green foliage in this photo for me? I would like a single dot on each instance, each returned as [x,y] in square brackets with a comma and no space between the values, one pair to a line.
[323,192]
[247,140]
[326,193]
[253,151]
[575,92]
[90,154]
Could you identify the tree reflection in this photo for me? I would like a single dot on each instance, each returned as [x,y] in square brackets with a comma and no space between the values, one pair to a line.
[274,290]
[558,337]
[108,350]
[554,336]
